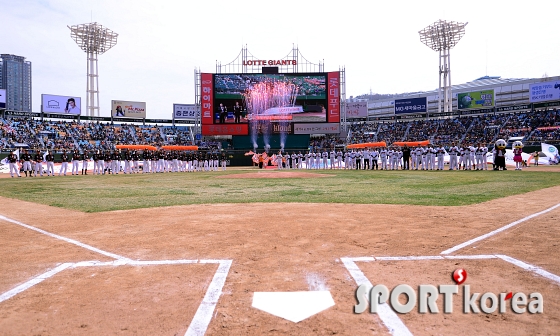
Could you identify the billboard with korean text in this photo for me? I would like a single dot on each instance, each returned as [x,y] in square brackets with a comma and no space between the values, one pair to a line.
[411,105]
[544,91]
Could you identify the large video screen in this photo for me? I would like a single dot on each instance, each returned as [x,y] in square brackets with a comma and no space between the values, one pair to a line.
[235,104]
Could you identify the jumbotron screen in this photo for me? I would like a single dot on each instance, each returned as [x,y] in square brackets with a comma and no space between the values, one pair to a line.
[231,101]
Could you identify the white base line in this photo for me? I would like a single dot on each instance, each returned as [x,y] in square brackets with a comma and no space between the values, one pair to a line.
[385,313]
[68,240]
[203,315]
[389,318]
[460,246]
[531,268]
[34,281]
[205,310]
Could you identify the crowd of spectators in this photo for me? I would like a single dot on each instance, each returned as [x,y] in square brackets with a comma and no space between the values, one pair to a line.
[535,127]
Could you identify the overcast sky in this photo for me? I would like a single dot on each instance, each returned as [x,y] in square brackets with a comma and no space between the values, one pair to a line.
[161,42]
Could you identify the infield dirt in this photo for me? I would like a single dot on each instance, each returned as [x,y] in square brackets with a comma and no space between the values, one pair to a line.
[274,247]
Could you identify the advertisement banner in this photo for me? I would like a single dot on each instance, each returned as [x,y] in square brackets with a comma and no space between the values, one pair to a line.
[128,109]
[356,110]
[333,116]
[271,128]
[317,128]
[544,91]
[61,104]
[475,99]
[411,105]
[231,129]
[2,98]
[206,99]
[185,111]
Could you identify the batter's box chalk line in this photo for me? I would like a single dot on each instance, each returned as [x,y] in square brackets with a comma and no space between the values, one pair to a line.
[203,315]
[389,318]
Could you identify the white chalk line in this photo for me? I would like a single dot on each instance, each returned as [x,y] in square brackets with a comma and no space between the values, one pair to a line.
[489,234]
[389,318]
[203,315]
[68,240]
[34,281]
[531,268]
[385,313]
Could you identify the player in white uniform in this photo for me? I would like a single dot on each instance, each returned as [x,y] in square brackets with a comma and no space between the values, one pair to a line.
[433,154]
[424,158]
[332,157]
[484,153]
[339,159]
[325,156]
[418,159]
[453,151]
[279,160]
[413,158]
[390,154]
[440,157]
[472,149]
[467,156]
[354,158]
[400,158]
[383,156]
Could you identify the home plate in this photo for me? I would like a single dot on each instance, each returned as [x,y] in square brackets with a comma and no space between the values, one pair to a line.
[293,306]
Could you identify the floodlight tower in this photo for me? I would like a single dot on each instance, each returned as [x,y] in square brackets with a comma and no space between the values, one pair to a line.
[95,40]
[442,36]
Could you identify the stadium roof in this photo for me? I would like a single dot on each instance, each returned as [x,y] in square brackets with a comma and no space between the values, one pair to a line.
[482,81]
[477,83]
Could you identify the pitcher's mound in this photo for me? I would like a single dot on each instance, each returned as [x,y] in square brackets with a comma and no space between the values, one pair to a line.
[267,174]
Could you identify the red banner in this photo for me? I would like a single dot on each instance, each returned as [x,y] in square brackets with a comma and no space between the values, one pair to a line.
[206,99]
[333,96]
[221,129]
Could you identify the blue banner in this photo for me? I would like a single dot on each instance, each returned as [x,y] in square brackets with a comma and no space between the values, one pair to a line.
[411,105]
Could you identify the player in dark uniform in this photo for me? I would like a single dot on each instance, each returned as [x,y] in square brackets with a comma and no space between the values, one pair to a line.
[38,166]
[12,161]
[85,158]
[50,164]
[26,161]
[65,158]
[116,158]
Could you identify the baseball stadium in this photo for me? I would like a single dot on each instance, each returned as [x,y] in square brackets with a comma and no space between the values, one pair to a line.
[282,207]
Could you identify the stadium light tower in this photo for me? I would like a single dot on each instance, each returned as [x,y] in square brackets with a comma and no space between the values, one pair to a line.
[442,36]
[95,40]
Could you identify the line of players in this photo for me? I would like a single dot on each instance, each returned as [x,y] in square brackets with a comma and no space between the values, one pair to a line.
[111,162]
[431,157]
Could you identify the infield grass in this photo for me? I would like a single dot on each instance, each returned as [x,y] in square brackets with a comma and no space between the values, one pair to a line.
[118,192]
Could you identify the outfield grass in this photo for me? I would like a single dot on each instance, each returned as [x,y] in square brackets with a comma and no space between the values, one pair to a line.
[110,192]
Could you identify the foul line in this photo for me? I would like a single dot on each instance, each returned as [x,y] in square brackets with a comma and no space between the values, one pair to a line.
[34,281]
[386,314]
[68,240]
[531,268]
[460,246]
